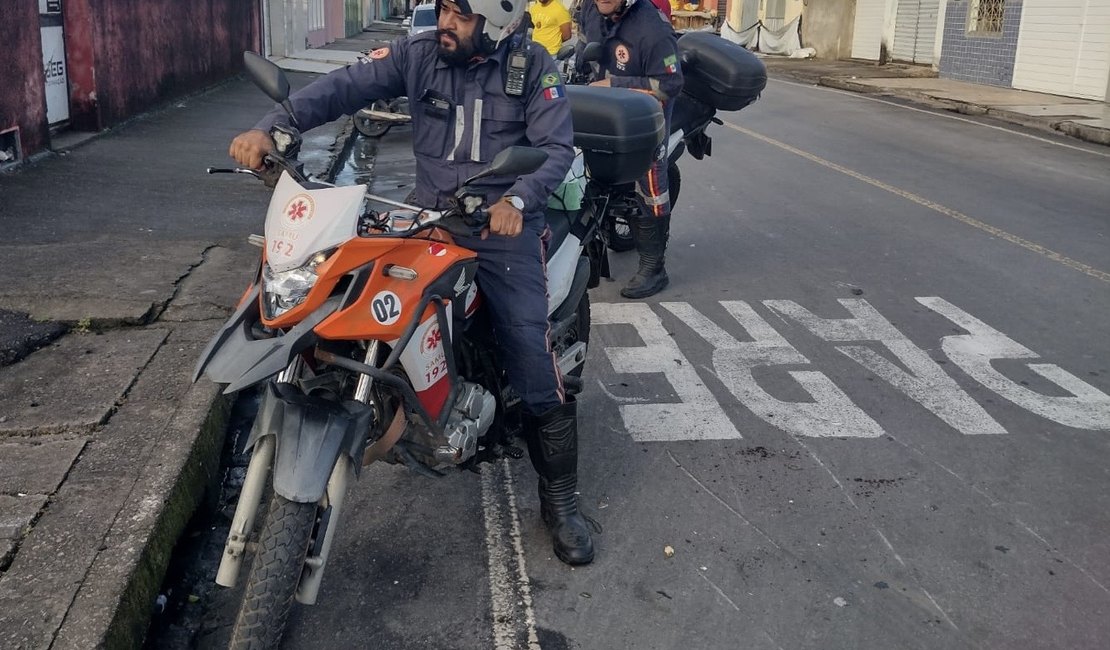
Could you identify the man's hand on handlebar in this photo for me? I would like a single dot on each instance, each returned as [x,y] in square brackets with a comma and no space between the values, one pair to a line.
[504,219]
[250,147]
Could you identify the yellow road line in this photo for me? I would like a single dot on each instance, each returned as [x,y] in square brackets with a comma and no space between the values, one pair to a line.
[920,200]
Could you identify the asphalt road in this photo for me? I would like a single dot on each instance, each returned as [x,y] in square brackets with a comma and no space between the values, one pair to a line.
[871,411]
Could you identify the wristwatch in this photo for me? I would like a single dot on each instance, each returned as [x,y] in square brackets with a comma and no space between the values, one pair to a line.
[514,201]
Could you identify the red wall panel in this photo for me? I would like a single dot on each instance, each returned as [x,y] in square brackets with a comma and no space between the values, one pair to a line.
[138,54]
[22,82]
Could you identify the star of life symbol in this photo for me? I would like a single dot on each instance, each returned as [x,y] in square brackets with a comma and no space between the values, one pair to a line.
[623,54]
[298,210]
[431,340]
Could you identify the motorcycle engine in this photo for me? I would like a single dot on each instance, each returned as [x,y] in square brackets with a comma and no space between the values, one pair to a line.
[471,416]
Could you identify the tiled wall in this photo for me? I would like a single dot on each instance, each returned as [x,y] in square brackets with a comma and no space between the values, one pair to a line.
[979,59]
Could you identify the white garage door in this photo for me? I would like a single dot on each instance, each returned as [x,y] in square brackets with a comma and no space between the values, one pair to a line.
[915,30]
[868,33]
[1064,48]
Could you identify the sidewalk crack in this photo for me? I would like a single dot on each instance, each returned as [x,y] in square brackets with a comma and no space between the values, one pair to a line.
[157,309]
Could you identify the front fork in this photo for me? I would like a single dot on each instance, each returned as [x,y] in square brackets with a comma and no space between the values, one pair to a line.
[250,498]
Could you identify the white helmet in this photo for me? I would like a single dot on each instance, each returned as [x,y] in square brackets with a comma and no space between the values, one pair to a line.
[500,18]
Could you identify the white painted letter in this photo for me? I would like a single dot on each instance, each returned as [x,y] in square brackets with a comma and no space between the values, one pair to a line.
[973,352]
[697,417]
[831,414]
[926,382]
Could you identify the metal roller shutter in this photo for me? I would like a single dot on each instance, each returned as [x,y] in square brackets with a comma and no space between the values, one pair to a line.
[915,30]
[867,35]
[1064,48]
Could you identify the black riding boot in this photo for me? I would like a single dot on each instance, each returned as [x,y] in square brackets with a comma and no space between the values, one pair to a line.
[650,234]
[553,447]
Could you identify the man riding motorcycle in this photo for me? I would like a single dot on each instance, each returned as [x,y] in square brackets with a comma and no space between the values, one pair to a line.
[476,86]
[640,51]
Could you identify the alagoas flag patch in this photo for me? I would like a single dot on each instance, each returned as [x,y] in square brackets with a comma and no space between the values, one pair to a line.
[671,64]
[554,92]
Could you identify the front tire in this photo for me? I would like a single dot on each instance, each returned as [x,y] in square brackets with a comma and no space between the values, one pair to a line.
[274,575]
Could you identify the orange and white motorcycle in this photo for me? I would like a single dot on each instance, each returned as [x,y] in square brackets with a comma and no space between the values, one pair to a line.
[366,335]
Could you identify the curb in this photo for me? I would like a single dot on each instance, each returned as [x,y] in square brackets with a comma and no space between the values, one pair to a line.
[197,472]
[1085,132]
[1075,130]
[1078,131]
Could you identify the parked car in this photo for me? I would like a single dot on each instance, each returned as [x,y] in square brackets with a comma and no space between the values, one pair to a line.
[423,19]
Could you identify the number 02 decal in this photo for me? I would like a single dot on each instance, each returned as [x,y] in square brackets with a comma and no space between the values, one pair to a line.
[386,307]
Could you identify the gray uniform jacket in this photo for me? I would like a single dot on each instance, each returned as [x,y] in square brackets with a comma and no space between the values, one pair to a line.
[461,116]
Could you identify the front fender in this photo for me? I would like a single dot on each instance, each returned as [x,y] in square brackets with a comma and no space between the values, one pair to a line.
[311,435]
[234,357]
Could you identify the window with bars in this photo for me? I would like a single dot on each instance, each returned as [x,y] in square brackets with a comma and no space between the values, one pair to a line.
[775,14]
[315,15]
[985,17]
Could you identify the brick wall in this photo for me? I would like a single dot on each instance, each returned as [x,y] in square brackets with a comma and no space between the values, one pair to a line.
[984,59]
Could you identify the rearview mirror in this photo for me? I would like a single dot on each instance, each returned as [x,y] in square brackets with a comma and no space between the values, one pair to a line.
[564,52]
[591,53]
[271,79]
[513,161]
[267,76]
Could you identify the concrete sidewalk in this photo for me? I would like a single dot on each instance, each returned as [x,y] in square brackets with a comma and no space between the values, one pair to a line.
[127,258]
[1080,118]
[121,260]
[341,52]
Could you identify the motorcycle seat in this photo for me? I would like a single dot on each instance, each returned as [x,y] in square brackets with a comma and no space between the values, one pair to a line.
[689,113]
[559,223]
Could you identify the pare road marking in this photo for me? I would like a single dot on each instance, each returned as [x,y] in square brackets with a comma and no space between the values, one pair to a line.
[829,411]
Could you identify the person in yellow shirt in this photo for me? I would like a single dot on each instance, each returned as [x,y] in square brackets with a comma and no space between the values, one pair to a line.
[551,23]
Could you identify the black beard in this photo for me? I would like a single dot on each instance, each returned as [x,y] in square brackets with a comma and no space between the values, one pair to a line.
[461,55]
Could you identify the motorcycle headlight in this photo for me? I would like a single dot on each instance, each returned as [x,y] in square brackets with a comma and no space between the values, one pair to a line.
[284,290]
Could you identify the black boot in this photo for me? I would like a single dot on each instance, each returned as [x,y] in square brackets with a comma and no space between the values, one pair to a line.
[553,447]
[651,235]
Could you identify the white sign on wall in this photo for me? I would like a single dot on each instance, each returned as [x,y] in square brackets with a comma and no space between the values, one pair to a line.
[54,67]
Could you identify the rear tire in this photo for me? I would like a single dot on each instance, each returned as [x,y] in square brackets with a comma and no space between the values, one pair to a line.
[274,575]
[618,233]
[370,127]
[582,329]
[578,331]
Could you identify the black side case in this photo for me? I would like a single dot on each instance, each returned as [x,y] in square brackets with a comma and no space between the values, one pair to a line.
[618,130]
[720,73]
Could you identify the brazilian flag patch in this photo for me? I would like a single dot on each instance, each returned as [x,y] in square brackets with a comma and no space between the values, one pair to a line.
[550,79]
[671,64]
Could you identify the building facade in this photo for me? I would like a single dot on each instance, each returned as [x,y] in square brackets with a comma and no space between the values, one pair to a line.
[1049,46]
[90,64]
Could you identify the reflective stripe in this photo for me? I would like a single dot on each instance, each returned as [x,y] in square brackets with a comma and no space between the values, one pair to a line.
[661,199]
[476,135]
[655,200]
[460,126]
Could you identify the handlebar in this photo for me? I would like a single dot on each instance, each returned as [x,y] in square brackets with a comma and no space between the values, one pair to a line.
[232,170]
